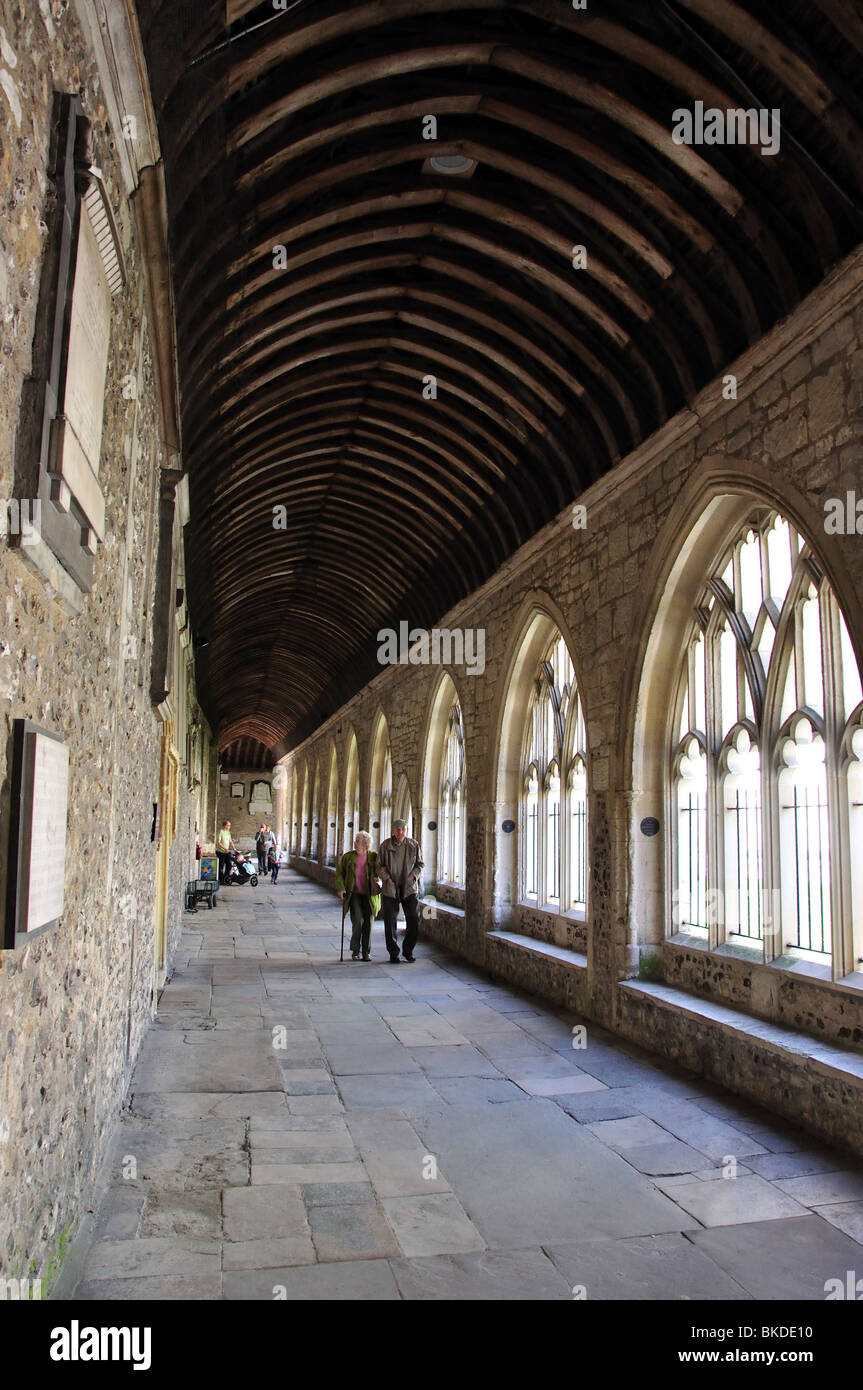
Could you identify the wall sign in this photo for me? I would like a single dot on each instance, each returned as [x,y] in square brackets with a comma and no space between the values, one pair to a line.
[432,825]
[238,789]
[650,826]
[37,841]
[508,827]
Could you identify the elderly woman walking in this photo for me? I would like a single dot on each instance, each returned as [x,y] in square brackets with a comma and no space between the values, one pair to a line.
[358,885]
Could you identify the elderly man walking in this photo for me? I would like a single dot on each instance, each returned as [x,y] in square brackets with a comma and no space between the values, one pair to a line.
[400,864]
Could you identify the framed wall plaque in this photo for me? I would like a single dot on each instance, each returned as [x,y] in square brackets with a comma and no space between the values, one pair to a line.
[35,889]
[238,789]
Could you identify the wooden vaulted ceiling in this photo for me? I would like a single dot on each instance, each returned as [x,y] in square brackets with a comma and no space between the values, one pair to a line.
[301,383]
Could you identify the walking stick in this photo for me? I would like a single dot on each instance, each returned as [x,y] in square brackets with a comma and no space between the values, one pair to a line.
[342,956]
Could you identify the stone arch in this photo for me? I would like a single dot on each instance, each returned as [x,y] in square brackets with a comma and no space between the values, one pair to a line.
[538,619]
[403,803]
[381,779]
[444,695]
[330,826]
[701,522]
[305,811]
[315,814]
[351,800]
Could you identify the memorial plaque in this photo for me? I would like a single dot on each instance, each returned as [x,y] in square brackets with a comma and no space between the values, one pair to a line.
[76,441]
[89,335]
[37,853]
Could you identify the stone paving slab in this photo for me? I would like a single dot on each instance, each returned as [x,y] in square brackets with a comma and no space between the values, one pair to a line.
[122,1259]
[224,1066]
[568,1184]
[663,1267]
[432,1225]
[778,1140]
[371,1059]
[199,1105]
[182,1214]
[707,1133]
[477,1090]
[343,1169]
[782,1260]
[392,1089]
[614,1070]
[847,1217]
[347,1281]
[119,1217]
[335,1194]
[610,1104]
[574,1084]
[669,1157]
[628,1133]
[267,1252]
[315,1105]
[823,1189]
[459,1060]
[321,1152]
[301,1139]
[309,1124]
[351,1231]
[179,1154]
[489,1275]
[736,1201]
[181,1288]
[253,1213]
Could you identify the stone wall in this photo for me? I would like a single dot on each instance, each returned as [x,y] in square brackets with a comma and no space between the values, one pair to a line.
[244,825]
[792,439]
[75,1003]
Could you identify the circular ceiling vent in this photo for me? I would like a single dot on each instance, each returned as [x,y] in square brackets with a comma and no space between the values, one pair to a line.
[452,164]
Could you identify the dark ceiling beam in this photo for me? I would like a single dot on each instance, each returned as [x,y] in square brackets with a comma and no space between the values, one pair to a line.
[789,68]
[492,290]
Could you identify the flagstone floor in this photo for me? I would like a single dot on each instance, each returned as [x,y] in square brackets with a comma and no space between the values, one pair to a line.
[302,1128]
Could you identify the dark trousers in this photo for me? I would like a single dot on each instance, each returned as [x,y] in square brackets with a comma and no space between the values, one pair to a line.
[412,923]
[224,865]
[275,873]
[361,921]
[262,862]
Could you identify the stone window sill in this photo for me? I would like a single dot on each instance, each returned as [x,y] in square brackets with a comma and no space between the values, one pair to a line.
[691,940]
[571,914]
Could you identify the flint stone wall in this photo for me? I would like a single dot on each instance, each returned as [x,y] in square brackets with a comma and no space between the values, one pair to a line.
[75,1003]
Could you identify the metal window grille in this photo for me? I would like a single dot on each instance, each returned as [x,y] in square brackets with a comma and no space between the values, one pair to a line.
[746,818]
[809,809]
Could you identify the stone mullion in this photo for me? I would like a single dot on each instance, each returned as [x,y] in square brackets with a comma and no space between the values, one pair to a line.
[714,796]
[841,926]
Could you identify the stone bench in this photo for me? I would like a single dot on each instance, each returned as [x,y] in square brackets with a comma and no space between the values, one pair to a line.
[811,1083]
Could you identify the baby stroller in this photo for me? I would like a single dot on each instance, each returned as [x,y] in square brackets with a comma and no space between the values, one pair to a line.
[242,870]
